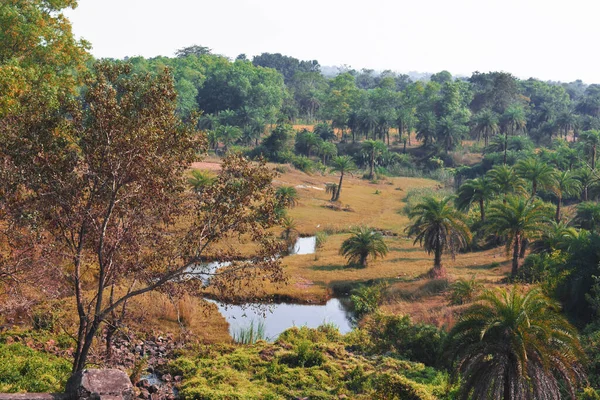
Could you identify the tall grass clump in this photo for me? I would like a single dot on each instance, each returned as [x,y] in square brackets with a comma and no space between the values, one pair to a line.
[251,333]
[320,240]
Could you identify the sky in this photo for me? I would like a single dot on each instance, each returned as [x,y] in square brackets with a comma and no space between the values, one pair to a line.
[545,39]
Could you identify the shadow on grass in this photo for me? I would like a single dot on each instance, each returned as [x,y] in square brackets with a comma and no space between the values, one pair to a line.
[486,266]
[401,259]
[331,267]
[344,288]
[405,250]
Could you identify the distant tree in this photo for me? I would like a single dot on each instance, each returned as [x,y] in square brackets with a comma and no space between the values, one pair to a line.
[517,220]
[441,77]
[513,121]
[325,132]
[557,236]
[485,125]
[510,345]
[587,215]
[194,50]
[588,180]
[438,227]
[450,131]
[566,122]
[373,148]
[591,139]
[363,243]
[479,190]
[327,150]
[343,165]
[287,196]
[228,135]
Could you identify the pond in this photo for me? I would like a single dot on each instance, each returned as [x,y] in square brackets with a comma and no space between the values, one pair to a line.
[279,317]
[305,245]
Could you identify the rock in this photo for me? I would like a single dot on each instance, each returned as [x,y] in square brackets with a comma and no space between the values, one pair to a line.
[94,384]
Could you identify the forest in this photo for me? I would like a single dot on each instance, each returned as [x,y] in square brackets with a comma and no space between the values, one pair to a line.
[452,218]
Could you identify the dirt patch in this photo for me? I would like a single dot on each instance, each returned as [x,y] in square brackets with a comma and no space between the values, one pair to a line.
[206,166]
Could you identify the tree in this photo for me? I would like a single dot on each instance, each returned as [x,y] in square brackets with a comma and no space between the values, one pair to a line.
[373,148]
[100,186]
[591,139]
[343,165]
[517,220]
[588,180]
[194,50]
[566,122]
[516,346]
[479,190]
[327,150]
[485,125]
[228,135]
[450,131]
[558,236]
[363,243]
[565,184]
[537,172]
[513,121]
[506,181]
[587,215]
[438,227]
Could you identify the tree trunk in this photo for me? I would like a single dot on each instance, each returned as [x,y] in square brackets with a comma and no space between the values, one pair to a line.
[404,150]
[482,210]
[372,166]
[557,217]
[594,157]
[438,270]
[339,189]
[585,193]
[505,145]
[515,259]
[363,260]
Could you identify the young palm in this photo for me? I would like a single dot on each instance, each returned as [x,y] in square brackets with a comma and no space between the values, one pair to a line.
[534,170]
[478,190]
[327,150]
[331,188]
[517,220]
[372,148]
[558,236]
[516,346]
[513,121]
[506,181]
[362,244]
[343,165]
[290,231]
[200,180]
[287,196]
[438,227]
[565,184]
[228,135]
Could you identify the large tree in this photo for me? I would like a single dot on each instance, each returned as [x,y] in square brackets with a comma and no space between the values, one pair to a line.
[438,227]
[102,192]
[511,345]
[534,170]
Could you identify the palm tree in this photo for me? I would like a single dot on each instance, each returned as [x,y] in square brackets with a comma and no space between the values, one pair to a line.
[373,148]
[537,172]
[426,128]
[506,181]
[290,231]
[510,345]
[485,125]
[475,190]
[327,150]
[438,227]
[588,180]
[513,121]
[200,180]
[343,165]
[518,220]
[591,139]
[558,236]
[287,196]
[450,132]
[565,184]
[565,122]
[588,215]
[362,244]
[331,188]
[227,135]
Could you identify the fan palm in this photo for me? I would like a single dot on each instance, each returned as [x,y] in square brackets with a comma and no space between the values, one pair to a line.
[517,220]
[565,184]
[478,190]
[438,227]
[506,181]
[362,244]
[537,172]
[343,165]
[516,346]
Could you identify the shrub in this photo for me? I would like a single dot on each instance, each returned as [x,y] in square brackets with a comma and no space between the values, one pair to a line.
[366,299]
[464,291]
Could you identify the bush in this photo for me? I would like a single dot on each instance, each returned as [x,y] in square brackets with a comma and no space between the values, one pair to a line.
[366,299]
[464,291]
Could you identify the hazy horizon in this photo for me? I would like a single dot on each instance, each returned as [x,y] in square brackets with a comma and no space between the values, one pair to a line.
[530,38]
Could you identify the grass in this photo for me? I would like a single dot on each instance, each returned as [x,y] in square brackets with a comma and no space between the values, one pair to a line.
[250,334]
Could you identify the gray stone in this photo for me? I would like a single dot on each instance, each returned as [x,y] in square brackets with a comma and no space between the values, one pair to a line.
[100,384]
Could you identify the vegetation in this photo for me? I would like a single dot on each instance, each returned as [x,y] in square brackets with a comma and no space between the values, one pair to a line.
[363,243]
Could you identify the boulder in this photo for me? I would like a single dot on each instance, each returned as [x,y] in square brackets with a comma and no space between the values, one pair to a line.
[100,384]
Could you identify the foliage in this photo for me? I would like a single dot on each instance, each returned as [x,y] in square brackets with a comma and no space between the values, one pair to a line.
[363,243]
[366,299]
[464,291]
[516,346]
[250,333]
[26,370]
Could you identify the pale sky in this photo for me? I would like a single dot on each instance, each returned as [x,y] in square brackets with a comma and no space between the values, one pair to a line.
[546,39]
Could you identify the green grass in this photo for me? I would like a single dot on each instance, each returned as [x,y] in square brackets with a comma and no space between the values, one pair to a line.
[251,333]
[23,369]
